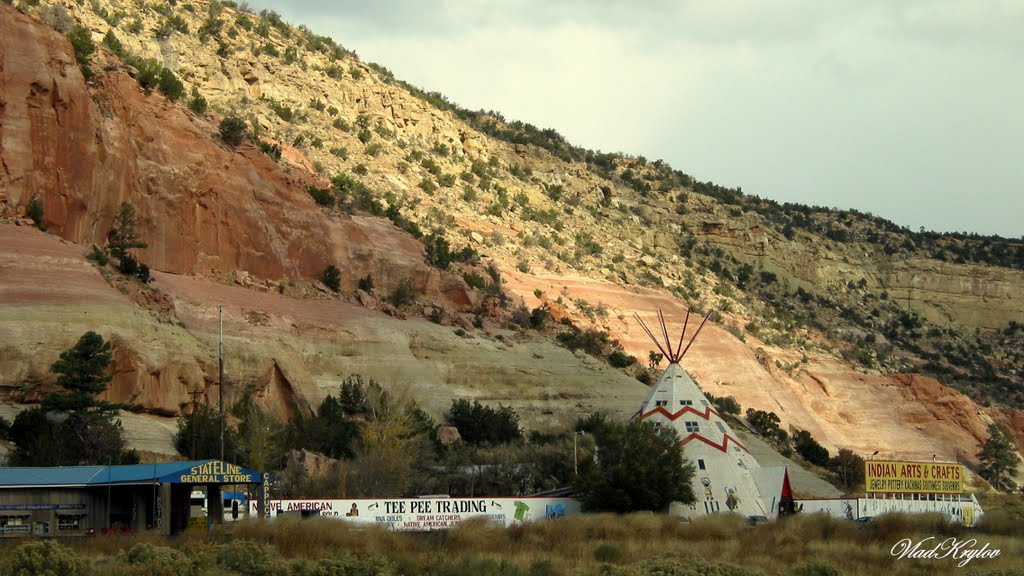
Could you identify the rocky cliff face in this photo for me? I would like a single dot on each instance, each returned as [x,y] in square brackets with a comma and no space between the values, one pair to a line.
[205,208]
[232,228]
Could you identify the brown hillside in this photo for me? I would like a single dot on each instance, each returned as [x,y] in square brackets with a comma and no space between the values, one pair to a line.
[232,227]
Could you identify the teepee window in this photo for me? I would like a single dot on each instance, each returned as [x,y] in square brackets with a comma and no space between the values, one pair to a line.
[661,402]
[692,427]
[700,464]
[686,402]
[720,427]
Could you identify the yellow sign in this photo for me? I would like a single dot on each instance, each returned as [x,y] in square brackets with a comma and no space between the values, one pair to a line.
[216,472]
[924,477]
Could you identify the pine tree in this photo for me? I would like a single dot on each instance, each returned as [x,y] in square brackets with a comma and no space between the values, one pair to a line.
[124,237]
[998,458]
[71,427]
[82,373]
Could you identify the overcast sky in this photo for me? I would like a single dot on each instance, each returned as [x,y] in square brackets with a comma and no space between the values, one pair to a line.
[910,110]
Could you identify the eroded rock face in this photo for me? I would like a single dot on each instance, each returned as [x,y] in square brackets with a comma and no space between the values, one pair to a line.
[907,416]
[286,353]
[206,209]
[203,208]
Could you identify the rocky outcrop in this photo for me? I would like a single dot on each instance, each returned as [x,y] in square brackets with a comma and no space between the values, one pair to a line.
[231,228]
[945,293]
[287,353]
[905,416]
[203,208]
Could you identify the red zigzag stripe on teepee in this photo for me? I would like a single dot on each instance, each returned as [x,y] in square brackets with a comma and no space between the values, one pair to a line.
[722,447]
[706,414]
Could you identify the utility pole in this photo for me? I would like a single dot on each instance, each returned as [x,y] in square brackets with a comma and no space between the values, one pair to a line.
[195,410]
[220,381]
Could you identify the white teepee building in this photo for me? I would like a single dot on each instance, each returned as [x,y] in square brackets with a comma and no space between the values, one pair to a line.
[727,478]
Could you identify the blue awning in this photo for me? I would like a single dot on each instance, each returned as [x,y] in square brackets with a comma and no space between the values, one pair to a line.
[191,472]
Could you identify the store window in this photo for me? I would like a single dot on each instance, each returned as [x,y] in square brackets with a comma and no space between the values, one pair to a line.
[69,522]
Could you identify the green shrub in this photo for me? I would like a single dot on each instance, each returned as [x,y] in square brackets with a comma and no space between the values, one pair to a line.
[343,566]
[170,86]
[619,359]
[98,256]
[480,424]
[474,280]
[233,130]
[436,314]
[332,278]
[128,265]
[145,559]
[334,71]
[403,294]
[143,273]
[440,254]
[274,151]
[211,27]
[250,558]
[539,316]
[365,135]
[163,30]
[607,553]
[44,558]
[178,23]
[197,104]
[35,211]
[321,196]
[591,341]
[431,166]
[810,449]
[147,72]
[291,55]
[427,185]
[81,40]
[366,283]
[113,44]
[283,111]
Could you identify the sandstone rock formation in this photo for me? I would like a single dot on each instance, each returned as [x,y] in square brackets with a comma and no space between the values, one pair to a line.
[232,228]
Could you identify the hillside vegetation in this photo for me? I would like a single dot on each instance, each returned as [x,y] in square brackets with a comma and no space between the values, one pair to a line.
[474,187]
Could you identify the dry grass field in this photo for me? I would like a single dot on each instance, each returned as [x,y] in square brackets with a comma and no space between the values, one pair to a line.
[582,545]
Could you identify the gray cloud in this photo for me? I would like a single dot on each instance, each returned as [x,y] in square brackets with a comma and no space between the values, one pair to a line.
[904,109]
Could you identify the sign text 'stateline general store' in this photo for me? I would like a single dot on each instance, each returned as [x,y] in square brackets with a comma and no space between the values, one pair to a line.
[922,477]
[216,471]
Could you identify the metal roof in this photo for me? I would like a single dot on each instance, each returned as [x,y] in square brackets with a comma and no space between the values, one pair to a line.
[99,475]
